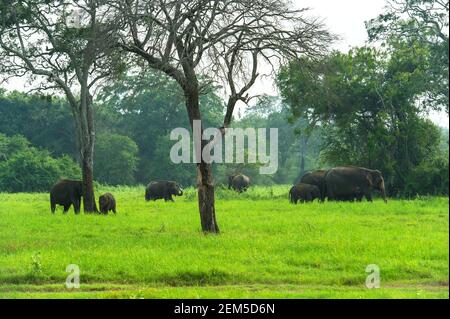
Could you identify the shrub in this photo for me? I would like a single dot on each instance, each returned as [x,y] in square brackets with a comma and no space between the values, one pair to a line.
[24,168]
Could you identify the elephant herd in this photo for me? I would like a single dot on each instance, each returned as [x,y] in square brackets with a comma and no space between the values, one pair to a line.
[69,192]
[346,183]
[340,184]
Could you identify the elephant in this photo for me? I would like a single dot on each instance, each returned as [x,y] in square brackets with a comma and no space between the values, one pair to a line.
[230,179]
[240,183]
[66,193]
[316,178]
[304,193]
[162,190]
[350,183]
[107,203]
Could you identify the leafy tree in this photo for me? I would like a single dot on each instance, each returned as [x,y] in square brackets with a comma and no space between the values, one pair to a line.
[425,22]
[115,159]
[147,107]
[366,101]
[9,146]
[39,41]
[298,146]
[45,121]
[24,168]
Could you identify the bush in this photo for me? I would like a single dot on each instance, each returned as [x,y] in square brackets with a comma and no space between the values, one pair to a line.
[27,169]
[429,178]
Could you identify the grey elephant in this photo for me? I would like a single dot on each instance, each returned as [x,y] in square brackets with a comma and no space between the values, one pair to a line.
[230,180]
[163,190]
[240,183]
[350,183]
[316,178]
[66,193]
[304,193]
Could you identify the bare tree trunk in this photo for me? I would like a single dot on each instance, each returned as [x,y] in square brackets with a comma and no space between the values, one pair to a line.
[88,186]
[205,181]
[84,121]
[206,202]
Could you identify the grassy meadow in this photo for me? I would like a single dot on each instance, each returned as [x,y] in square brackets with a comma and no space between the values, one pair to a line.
[268,248]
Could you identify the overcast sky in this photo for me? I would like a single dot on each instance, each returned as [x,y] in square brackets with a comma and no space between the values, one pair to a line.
[345,18]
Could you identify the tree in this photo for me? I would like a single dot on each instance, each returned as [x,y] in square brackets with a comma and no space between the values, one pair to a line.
[146,107]
[223,40]
[44,120]
[24,168]
[301,144]
[116,159]
[38,40]
[425,22]
[367,102]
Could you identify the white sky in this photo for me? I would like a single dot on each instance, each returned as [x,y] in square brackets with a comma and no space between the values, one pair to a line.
[345,18]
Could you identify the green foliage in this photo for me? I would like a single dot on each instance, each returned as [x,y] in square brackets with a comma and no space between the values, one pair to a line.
[366,102]
[27,169]
[296,140]
[424,22]
[115,159]
[430,177]
[147,108]
[43,120]
[267,248]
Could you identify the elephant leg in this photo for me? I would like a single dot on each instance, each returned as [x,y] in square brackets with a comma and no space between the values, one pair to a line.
[369,197]
[53,207]
[330,195]
[76,206]
[66,208]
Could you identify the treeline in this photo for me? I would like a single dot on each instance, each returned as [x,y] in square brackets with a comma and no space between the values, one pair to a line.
[134,118]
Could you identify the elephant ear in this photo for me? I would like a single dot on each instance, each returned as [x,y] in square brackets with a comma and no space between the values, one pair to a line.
[369,178]
[173,186]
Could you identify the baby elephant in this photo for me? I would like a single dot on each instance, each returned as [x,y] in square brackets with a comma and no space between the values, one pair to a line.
[304,193]
[107,203]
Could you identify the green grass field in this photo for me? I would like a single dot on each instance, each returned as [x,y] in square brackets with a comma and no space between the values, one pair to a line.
[268,248]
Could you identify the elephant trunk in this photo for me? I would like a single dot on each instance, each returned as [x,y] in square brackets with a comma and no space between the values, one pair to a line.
[383,191]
